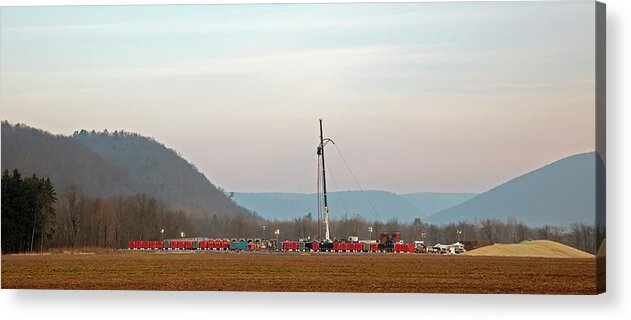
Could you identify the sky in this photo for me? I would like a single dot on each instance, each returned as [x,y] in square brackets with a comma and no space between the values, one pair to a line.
[418,97]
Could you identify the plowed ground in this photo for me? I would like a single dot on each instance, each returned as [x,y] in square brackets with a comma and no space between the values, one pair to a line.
[300,272]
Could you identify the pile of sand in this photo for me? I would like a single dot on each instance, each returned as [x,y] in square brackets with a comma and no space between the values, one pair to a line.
[536,248]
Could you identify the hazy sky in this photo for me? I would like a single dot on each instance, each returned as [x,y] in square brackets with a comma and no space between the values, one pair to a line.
[418,97]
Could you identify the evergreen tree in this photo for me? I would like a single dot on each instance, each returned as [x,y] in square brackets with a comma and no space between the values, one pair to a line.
[28,212]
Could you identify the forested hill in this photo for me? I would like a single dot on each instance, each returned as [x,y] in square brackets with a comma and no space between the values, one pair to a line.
[65,161]
[118,163]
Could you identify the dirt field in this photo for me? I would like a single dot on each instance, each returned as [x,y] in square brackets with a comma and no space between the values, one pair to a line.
[300,272]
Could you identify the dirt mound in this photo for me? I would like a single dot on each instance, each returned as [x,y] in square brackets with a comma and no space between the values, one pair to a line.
[536,248]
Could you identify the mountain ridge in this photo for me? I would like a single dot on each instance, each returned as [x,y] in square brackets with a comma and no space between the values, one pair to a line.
[109,164]
[560,193]
[371,204]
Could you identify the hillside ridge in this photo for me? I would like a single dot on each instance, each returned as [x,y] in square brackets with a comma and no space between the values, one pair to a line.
[108,164]
[560,193]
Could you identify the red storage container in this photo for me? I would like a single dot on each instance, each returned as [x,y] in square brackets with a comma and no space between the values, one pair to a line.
[397,247]
[315,246]
[359,247]
[374,247]
[411,248]
[203,245]
[295,245]
[189,244]
[130,245]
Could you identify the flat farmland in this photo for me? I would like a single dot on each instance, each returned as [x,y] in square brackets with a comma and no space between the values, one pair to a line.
[300,272]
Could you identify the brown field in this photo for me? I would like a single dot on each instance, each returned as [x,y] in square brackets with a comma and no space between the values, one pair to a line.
[300,272]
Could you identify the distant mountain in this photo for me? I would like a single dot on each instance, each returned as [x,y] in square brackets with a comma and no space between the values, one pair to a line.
[386,205]
[429,203]
[561,193]
[106,164]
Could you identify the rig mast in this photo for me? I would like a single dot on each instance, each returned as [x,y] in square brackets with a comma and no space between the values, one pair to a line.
[320,152]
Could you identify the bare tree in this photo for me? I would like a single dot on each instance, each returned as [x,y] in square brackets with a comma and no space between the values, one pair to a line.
[491,229]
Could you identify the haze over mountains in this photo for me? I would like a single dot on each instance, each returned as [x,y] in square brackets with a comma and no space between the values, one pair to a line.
[371,204]
[561,193]
[106,164]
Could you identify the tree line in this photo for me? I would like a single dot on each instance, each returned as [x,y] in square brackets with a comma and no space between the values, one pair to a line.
[35,218]
[579,235]
[28,212]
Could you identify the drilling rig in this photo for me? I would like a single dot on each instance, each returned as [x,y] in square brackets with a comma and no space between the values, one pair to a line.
[320,152]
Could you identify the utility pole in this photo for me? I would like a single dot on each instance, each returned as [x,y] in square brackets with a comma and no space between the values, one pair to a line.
[326,206]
